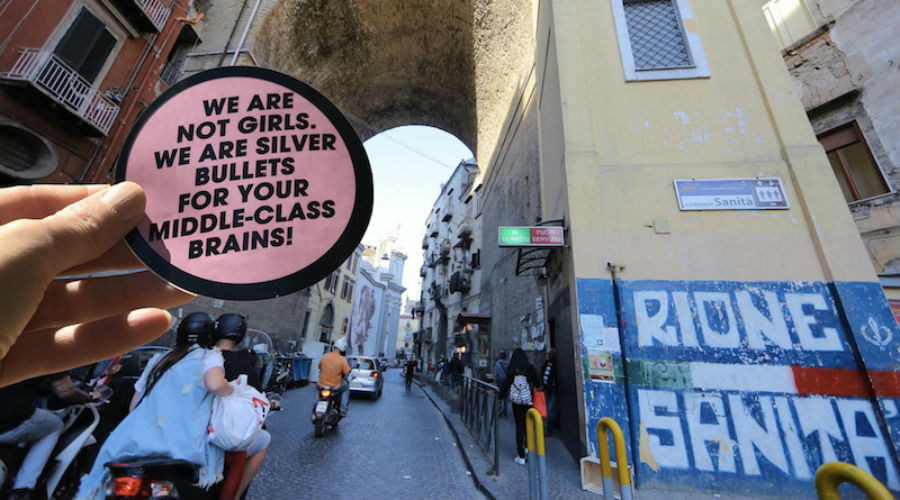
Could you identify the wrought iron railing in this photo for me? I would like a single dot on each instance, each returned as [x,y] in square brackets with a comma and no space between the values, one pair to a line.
[156,11]
[61,83]
[479,414]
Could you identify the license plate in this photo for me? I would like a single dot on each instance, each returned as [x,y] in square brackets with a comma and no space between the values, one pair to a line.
[321,406]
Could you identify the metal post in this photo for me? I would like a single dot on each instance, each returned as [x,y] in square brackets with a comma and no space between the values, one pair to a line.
[608,424]
[831,475]
[537,461]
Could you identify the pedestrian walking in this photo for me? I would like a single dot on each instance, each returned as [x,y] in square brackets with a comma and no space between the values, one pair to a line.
[456,369]
[499,379]
[408,371]
[444,370]
[521,379]
[548,381]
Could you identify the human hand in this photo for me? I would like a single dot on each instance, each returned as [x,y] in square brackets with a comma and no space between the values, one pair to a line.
[51,325]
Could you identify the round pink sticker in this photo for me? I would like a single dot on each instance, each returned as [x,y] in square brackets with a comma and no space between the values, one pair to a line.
[256,185]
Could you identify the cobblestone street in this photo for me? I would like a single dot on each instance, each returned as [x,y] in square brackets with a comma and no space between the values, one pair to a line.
[396,447]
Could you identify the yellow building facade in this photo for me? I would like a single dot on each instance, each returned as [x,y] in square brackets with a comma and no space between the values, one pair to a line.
[738,348]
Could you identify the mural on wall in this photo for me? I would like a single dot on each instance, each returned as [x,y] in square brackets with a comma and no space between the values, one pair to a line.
[744,384]
[364,321]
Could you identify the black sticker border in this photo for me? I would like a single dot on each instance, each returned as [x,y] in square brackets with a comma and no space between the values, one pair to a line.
[303,278]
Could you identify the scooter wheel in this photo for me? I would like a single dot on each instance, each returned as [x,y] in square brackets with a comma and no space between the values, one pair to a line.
[320,427]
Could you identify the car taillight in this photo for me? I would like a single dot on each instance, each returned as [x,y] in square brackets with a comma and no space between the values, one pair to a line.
[129,487]
[374,374]
[326,393]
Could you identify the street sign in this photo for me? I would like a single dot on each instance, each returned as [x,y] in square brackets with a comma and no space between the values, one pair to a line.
[731,194]
[539,236]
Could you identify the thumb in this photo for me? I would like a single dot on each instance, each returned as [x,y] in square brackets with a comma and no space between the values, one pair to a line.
[86,229]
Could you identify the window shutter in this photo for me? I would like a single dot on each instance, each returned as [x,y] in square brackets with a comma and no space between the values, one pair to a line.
[86,45]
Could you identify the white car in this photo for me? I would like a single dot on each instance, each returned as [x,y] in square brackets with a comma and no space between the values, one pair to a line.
[367,376]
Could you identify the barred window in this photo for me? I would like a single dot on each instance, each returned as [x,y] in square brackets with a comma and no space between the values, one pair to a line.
[653,42]
[656,34]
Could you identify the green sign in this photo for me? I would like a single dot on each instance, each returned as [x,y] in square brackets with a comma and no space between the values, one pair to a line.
[546,236]
[515,236]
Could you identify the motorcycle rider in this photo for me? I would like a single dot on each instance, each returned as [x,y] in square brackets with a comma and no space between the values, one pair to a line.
[230,331]
[333,370]
[170,409]
[21,421]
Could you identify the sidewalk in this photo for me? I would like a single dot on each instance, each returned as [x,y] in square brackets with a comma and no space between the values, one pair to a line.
[563,473]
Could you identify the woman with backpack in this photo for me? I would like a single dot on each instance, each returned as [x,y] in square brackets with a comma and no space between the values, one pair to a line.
[521,379]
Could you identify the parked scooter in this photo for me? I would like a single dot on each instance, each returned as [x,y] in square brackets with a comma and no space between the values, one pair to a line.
[327,412]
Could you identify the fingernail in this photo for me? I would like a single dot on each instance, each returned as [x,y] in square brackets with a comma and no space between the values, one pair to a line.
[126,199]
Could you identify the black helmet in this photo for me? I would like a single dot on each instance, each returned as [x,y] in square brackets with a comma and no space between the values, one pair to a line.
[231,327]
[196,328]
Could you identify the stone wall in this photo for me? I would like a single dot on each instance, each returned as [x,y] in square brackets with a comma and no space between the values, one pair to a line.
[511,197]
[281,318]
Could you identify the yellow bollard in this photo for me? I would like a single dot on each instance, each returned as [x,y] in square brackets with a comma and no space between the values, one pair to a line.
[831,475]
[537,462]
[608,424]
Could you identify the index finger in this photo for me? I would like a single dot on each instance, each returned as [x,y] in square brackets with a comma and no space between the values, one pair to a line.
[37,202]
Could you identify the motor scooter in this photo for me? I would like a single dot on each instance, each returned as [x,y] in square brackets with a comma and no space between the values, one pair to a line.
[163,478]
[69,460]
[327,412]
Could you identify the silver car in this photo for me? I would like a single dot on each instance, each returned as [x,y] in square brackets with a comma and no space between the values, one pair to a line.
[367,376]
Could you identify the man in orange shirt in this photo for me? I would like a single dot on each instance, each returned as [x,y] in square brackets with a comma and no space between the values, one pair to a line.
[333,368]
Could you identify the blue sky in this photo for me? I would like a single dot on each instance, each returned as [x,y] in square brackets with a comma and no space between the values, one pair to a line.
[408,166]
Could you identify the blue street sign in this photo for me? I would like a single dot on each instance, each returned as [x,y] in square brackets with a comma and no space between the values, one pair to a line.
[731,194]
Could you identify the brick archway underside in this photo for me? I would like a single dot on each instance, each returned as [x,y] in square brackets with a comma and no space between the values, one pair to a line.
[450,64]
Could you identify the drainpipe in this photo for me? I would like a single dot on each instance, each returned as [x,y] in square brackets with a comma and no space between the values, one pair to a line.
[18,25]
[231,36]
[237,50]
[124,112]
[616,270]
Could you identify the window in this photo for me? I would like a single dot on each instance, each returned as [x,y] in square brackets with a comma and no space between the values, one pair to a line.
[331,282]
[305,326]
[345,290]
[24,154]
[86,45]
[349,263]
[355,264]
[344,326]
[853,163]
[789,20]
[653,43]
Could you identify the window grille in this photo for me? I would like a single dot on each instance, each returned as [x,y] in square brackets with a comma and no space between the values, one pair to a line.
[657,37]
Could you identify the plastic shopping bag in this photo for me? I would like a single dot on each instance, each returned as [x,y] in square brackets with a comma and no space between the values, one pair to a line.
[540,403]
[236,419]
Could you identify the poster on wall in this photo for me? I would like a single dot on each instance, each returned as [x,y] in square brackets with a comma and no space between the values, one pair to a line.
[600,365]
[364,319]
[257,186]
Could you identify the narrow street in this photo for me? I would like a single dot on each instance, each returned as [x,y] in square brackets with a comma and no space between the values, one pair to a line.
[396,447]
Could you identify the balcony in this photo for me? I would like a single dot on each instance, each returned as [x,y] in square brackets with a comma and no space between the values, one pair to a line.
[423,272]
[55,79]
[146,15]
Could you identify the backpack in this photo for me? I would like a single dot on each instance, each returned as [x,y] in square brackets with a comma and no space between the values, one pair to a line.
[520,391]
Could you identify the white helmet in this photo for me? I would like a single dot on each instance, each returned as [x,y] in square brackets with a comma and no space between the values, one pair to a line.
[341,344]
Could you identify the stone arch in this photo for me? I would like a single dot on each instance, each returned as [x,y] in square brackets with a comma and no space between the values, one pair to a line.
[453,64]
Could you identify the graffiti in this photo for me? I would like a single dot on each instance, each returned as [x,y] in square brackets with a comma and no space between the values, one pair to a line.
[876,334]
[741,433]
[733,386]
[765,317]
